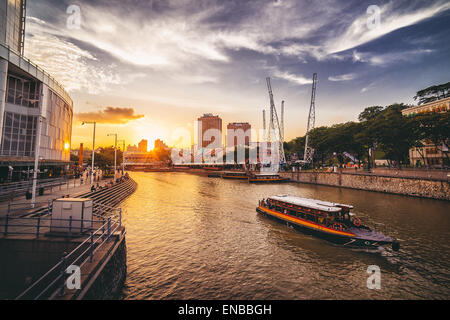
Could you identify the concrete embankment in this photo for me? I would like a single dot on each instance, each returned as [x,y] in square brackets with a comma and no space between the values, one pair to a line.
[417,187]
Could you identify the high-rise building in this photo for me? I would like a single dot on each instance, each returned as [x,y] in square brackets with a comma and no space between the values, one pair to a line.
[12,24]
[238,134]
[142,146]
[209,131]
[159,144]
[34,108]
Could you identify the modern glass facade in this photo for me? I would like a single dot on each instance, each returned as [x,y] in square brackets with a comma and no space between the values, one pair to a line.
[12,24]
[19,135]
[56,128]
[31,101]
[23,92]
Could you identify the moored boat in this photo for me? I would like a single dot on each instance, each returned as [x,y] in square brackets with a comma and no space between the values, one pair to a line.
[266,177]
[240,175]
[327,220]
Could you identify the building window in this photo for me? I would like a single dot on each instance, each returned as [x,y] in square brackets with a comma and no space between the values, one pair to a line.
[23,92]
[19,135]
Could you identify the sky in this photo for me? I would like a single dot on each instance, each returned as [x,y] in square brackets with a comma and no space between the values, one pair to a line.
[149,69]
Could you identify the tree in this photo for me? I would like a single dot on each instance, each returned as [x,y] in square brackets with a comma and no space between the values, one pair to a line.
[392,132]
[105,158]
[433,93]
[370,113]
[432,127]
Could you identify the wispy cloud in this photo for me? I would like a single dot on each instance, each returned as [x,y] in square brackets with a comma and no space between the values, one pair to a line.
[342,77]
[358,33]
[297,79]
[389,58]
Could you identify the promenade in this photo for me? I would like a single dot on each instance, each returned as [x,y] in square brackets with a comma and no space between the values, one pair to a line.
[73,188]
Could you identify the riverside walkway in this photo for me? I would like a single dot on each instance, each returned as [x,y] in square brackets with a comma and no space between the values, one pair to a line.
[37,258]
[73,188]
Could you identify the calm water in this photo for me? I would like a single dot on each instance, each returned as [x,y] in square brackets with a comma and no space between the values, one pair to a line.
[193,237]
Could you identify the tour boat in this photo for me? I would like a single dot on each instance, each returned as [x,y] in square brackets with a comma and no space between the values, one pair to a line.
[266,177]
[235,175]
[327,220]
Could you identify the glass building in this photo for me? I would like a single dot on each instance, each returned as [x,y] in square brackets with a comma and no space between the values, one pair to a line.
[34,108]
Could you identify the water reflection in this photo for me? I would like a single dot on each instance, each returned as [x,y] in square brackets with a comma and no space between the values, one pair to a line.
[193,237]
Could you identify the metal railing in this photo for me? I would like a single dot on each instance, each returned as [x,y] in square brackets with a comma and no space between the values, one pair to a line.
[9,191]
[51,284]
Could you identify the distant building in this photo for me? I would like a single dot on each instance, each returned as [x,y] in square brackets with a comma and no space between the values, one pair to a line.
[238,134]
[429,153]
[159,144]
[132,148]
[207,137]
[34,108]
[142,146]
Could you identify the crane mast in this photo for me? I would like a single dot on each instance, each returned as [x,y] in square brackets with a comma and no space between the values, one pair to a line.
[264,125]
[274,124]
[309,152]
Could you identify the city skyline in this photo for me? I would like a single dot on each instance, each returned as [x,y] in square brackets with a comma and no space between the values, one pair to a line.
[152,79]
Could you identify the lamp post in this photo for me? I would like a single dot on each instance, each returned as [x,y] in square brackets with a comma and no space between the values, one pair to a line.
[36,159]
[93,149]
[115,152]
[123,155]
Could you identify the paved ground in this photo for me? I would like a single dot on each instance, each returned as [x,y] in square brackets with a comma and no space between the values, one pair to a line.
[73,188]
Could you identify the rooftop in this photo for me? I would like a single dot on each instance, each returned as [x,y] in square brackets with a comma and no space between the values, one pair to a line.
[311,203]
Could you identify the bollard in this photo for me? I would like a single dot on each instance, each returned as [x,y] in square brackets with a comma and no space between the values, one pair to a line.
[9,207]
[38,226]
[63,274]
[108,235]
[91,248]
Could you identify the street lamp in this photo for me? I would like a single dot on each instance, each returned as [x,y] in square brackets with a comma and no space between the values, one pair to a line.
[93,149]
[123,154]
[115,153]
[36,160]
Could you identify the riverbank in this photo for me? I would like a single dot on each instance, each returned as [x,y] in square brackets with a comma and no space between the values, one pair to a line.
[415,187]
[34,252]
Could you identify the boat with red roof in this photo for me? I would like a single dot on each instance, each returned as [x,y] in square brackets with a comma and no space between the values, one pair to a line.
[327,220]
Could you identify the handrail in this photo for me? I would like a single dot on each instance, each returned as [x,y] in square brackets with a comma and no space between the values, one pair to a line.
[102,233]
[117,222]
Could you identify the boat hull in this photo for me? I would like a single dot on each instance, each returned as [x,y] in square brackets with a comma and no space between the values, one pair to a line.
[346,239]
[235,177]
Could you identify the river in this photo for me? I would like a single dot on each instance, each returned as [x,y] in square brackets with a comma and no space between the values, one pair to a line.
[194,237]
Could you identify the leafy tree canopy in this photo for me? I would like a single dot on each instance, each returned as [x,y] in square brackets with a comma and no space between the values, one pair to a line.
[433,93]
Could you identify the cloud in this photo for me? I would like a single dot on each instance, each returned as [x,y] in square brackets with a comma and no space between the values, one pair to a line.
[292,77]
[198,42]
[389,58]
[73,67]
[391,19]
[343,77]
[110,115]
